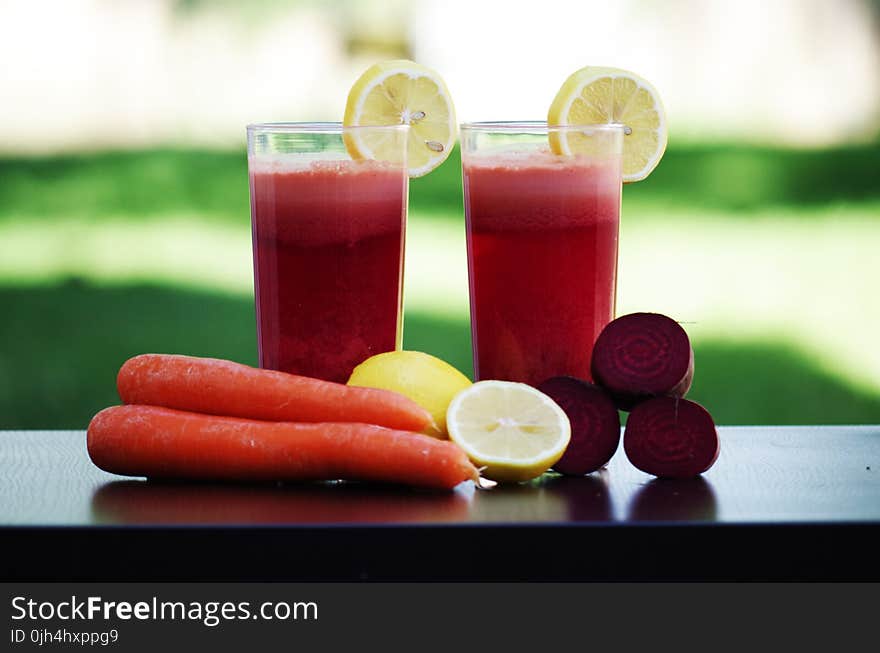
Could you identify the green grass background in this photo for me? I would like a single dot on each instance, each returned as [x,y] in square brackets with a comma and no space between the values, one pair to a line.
[770,253]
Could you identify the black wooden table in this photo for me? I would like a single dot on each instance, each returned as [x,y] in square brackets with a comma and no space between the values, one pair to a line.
[781,503]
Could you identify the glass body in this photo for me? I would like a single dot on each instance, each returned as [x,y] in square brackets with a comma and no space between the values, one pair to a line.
[542,233]
[328,234]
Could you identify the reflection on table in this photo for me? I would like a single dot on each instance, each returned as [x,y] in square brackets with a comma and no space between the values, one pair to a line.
[552,498]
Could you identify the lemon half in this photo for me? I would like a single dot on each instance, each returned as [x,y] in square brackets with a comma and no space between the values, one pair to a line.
[402,92]
[595,95]
[511,429]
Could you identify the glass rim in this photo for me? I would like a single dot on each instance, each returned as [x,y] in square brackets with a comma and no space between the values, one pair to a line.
[317,127]
[523,126]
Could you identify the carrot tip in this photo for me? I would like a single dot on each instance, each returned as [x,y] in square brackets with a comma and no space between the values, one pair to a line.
[433,430]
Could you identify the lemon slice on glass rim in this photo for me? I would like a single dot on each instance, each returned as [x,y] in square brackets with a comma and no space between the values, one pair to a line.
[401,92]
[595,96]
[511,430]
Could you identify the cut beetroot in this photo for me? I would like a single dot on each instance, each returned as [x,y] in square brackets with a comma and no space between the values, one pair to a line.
[643,355]
[595,424]
[671,437]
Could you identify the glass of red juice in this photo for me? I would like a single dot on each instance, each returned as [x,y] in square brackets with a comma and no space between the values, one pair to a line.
[328,234]
[542,231]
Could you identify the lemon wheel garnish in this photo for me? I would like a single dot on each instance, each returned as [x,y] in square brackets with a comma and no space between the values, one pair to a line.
[402,93]
[512,430]
[593,96]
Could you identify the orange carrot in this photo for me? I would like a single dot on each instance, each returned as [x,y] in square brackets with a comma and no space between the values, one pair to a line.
[221,387]
[166,443]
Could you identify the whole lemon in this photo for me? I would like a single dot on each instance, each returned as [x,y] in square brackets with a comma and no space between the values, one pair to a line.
[427,380]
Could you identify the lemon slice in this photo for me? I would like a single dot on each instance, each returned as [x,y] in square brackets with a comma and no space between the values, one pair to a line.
[427,380]
[402,92]
[513,430]
[596,95]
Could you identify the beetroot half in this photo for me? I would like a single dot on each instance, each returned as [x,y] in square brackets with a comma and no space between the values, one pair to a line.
[643,355]
[595,424]
[671,437]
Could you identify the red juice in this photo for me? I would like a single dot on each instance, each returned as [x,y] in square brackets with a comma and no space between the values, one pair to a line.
[328,262]
[542,253]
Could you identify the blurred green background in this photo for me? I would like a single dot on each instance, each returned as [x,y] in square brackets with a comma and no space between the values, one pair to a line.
[125,228]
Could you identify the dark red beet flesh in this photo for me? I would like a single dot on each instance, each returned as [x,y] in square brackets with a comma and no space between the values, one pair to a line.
[595,424]
[643,355]
[671,437]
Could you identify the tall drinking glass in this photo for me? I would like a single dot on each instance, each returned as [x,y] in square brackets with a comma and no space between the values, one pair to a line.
[542,233]
[328,234]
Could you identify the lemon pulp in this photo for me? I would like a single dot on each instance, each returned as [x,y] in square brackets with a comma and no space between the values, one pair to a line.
[595,95]
[512,430]
[407,93]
